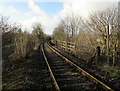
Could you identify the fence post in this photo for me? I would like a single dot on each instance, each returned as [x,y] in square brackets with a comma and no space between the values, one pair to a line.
[114,55]
[56,43]
[98,51]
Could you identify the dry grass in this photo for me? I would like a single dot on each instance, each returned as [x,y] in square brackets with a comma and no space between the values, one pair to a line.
[113,71]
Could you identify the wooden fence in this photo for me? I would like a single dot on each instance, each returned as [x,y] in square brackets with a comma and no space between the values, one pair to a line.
[75,49]
[67,46]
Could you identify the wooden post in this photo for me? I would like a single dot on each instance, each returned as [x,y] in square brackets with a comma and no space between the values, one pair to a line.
[56,42]
[114,55]
[98,52]
[108,44]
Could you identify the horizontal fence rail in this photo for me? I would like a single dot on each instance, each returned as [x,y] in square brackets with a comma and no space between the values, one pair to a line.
[67,46]
[73,48]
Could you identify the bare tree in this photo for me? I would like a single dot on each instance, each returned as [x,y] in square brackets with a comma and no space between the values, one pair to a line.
[99,21]
[103,22]
[38,34]
[92,32]
[59,33]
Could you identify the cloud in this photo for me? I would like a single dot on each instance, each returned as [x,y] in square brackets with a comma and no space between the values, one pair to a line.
[37,15]
[85,7]
[35,8]
[48,22]
[15,14]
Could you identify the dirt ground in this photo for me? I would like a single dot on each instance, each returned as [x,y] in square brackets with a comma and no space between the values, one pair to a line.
[26,74]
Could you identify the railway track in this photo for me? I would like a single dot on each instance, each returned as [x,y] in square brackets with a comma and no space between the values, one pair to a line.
[68,76]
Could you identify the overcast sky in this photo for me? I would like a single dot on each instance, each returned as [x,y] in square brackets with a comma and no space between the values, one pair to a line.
[49,12]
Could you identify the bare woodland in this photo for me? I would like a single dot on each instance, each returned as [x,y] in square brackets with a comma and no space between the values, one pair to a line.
[87,34]
[90,33]
[23,42]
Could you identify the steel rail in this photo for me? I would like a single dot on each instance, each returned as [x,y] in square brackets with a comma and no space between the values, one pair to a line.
[51,73]
[107,88]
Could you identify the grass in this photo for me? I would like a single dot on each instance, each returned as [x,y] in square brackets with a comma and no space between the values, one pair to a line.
[113,71]
[114,74]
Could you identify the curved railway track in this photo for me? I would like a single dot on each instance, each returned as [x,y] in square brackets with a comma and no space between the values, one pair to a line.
[68,76]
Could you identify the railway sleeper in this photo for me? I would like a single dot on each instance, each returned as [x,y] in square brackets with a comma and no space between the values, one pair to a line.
[81,86]
[62,70]
[58,64]
[67,79]
[66,76]
[53,66]
[69,82]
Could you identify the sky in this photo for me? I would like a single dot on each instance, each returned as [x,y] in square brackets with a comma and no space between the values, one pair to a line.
[49,12]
